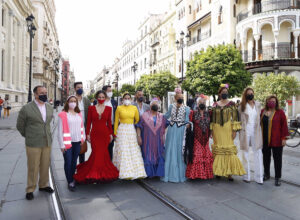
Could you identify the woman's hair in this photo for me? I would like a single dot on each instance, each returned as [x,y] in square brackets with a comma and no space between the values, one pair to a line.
[177,91]
[244,98]
[271,97]
[66,106]
[221,89]
[100,92]
[125,94]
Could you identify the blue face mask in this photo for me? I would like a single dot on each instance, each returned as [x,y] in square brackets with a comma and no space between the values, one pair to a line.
[79,91]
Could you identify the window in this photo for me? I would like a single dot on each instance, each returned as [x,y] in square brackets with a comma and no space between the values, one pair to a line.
[145,45]
[7,97]
[180,67]
[145,29]
[190,9]
[209,1]
[220,17]
[2,65]
[145,63]
[199,34]
[200,5]
[66,68]
[234,10]
[3,17]
[141,49]
[16,98]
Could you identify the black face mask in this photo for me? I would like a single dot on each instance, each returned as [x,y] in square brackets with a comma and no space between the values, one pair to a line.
[140,99]
[224,96]
[43,98]
[154,108]
[79,91]
[202,106]
[250,97]
[179,101]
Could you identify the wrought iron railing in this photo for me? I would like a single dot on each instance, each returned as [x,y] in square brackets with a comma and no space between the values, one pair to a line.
[267,6]
[199,38]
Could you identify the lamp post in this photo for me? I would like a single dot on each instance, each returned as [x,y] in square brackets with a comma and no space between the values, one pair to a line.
[134,69]
[117,82]
[180,45]
[31,30]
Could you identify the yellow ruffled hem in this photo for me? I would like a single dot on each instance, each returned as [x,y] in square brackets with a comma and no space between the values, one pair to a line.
[236,126]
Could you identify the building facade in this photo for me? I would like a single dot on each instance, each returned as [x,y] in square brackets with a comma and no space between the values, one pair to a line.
[65,92]
[45,46]
[14,47]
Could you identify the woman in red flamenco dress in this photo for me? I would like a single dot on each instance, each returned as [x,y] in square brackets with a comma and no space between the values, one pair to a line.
[98,168]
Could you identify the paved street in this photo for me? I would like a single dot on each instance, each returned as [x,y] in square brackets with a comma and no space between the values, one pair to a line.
[210,199]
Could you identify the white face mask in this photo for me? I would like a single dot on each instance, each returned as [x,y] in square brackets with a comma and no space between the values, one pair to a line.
[127,102]
[72,105]
[109,94]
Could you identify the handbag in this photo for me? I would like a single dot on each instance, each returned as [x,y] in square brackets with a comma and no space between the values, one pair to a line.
[83,148]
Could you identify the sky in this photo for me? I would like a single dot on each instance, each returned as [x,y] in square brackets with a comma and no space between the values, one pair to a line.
[91,32]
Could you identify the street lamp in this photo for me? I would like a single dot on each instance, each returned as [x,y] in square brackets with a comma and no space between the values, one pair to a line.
[180,45]
[134,69]
[117,82]
[31,30]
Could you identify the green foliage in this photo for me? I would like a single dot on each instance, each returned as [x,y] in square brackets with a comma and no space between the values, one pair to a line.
[219,64]
[91,96]
[281,85]
[115,93]
[143,83]
[127,88]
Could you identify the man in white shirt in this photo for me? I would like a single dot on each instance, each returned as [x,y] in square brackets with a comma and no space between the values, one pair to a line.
[112,103]
[84,104]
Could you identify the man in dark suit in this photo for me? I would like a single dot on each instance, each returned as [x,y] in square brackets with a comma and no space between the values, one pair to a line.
[34,124]
[112,103]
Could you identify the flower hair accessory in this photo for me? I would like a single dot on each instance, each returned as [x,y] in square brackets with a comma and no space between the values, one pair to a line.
[124,93]
[155,100]
[224,85]
[178,90]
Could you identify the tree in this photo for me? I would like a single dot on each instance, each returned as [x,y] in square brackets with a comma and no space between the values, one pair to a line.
[127,88]
[115,93]
[161,83]
[219,64]
[143,83]
[91,96]
[281,85]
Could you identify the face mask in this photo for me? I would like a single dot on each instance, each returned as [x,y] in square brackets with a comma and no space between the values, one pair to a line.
[140,99]
[224,96]
[154,108]
[250,97]
[179,101]
[79,91]
[72,105]
[127,102]
[100,101]
[109,94]
[43,98]
[202,106]
[271,104]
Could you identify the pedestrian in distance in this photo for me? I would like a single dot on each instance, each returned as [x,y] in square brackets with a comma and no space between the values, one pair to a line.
[33,123]
[127,156]
[113,104]
[178,116]
[140,104]
[152,125]
[1,106]
[250,135]
[98,168]
[224,125]
[84,104]
[274,132]
[7,107]
[70,136]
[202,160]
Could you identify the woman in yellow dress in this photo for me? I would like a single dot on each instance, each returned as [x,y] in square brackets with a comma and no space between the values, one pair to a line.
[127,155]
[224,124]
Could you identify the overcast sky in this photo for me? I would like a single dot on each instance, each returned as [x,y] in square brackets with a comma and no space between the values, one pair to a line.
[91,32]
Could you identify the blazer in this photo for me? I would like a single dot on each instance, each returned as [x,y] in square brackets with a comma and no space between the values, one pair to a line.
[145,106]
[114,105]
[278,129]
[243,132]
[31,125]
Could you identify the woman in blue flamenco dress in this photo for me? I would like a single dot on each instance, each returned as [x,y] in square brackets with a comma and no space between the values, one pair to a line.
[151,132]
[178,115]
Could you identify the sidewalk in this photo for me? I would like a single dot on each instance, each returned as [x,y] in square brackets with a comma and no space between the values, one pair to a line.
[13,178]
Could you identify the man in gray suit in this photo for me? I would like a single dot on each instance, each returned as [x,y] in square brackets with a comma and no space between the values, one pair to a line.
[33,123]
[141,106]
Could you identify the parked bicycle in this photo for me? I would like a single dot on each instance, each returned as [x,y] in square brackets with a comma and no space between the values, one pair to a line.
[294,134]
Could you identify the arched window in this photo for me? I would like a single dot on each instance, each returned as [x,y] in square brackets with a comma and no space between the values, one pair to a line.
[190,9]
[220,17]
[234,10]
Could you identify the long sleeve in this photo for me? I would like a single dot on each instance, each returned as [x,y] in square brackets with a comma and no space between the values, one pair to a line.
[187,114]
[116,125]
[109,121]
[89,121]
[136,116]
[60,134]
[167,115]
[21,121]
[284,128]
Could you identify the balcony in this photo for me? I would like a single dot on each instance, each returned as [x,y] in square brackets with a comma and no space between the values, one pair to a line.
[268,6]
[199,38]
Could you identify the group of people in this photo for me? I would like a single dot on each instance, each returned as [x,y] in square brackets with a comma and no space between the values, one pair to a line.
[135,140]
[4,104]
